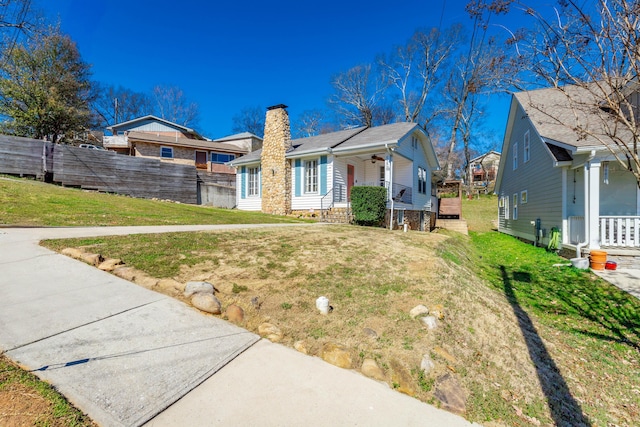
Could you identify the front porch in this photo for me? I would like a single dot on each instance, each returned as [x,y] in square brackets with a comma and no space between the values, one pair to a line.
[618,235]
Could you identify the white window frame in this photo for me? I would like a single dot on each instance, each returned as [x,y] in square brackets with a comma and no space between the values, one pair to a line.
[253,182]
[515,206]
[515,155]
[524,197]
[507,210]
[162,148]
[526,147]
[311,176]
[422,180]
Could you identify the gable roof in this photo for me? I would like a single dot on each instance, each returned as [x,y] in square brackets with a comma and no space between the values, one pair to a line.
[152,118]
[349,141]
[482,156]
[242,135]
[378,136]
[325,141]
[557,112]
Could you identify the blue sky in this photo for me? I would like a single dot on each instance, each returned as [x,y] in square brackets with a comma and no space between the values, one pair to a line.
[235,54]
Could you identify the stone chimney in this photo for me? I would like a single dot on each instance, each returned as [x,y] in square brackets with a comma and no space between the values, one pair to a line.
[276,169]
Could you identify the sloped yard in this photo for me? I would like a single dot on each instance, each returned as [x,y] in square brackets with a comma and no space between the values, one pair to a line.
[524,342]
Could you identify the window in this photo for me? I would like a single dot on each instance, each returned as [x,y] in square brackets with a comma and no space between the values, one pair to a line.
[523,197]
[414,142]
[422,180]
[527,151]
[222,157]
[515,155]
[166,152]
[254,182]
[401,217]
[311,176]
[515,206]
[506,207]
[381,176]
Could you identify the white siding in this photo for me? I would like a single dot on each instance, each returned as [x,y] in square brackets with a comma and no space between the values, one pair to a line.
[247,203]
[310,201]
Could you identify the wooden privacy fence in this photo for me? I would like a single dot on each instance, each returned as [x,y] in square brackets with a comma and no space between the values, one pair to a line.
[98,170]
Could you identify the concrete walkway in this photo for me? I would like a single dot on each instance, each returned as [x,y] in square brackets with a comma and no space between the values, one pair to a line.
[627,279]
[128,356]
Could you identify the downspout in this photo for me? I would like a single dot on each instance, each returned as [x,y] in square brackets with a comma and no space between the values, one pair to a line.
[390,190]
[586,165]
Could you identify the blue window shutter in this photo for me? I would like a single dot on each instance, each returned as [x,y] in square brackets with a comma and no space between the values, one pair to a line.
[323,175]
[298,178]
[243,182]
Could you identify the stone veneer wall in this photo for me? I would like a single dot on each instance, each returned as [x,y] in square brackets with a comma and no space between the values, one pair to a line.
[412,218]
[276,169]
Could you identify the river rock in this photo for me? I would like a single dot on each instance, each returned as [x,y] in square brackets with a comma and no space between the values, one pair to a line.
[207,303]
[370,333]
[110,264]
[402,379]
[452,396]
[426,365]
[270,332]
[197,287]
[170,286]
[429,321]
[418,310]
[371,369]
[337,355]
[93,259]
[72,252]
[301,346]
[235,313]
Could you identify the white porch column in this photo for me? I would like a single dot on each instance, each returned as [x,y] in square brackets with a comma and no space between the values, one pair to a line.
[592,216]
[565,221]
[390,190]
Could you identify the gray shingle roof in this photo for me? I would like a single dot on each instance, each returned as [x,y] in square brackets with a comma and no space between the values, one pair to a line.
[328,140]
[558,114]
[378,135]
[344,140]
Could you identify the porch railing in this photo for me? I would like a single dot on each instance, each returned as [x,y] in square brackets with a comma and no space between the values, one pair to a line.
[338,194]
[620,231]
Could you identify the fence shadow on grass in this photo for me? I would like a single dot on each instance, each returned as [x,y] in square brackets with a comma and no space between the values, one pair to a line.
[565,409]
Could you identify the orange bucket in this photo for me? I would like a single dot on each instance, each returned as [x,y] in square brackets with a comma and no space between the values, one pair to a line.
[598,260]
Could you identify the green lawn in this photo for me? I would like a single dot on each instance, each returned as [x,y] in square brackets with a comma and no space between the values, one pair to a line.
[31,203]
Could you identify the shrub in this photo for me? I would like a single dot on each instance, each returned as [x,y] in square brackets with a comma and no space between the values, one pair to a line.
[368,205]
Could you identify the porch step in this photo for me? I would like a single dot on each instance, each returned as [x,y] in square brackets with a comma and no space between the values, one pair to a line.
[459,225]
[337,216]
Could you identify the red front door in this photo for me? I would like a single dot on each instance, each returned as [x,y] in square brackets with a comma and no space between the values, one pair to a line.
[350,180]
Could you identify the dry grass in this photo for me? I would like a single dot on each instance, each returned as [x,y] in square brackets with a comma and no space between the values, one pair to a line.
[373,278]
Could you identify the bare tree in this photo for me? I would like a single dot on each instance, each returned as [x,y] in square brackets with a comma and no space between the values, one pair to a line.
[309,123]
[589,53]
[249,119]
[358,98]
[16,19]
[415,68]
[171,104]
[484,68]
[118,104]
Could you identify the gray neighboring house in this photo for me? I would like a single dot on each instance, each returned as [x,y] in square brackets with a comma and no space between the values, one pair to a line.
[548,177]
